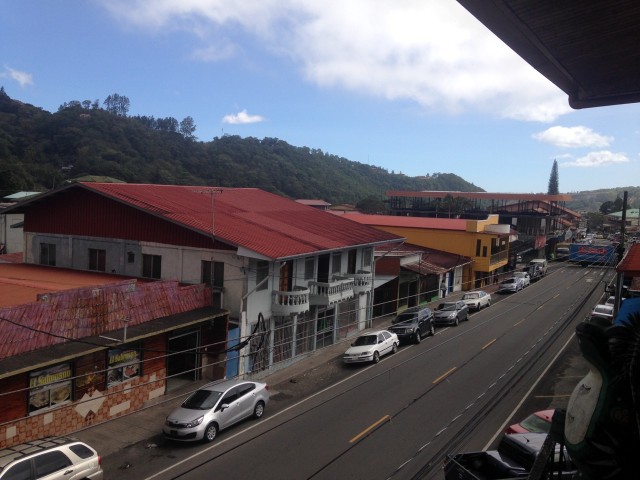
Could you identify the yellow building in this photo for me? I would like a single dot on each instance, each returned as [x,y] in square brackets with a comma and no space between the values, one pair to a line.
[486,242]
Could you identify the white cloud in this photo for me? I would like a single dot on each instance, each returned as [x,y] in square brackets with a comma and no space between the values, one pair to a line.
[573,137]
[241,118]
[597,159]
[214,53]
[23,78]
[432,52]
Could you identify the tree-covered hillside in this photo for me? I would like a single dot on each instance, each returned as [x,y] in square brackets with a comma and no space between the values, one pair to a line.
[39,150]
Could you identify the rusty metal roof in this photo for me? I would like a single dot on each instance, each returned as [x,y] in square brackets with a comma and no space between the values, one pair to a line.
[258,221]
[588,49]
[408,222]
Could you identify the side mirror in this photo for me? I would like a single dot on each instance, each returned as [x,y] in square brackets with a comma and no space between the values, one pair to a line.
[224,406]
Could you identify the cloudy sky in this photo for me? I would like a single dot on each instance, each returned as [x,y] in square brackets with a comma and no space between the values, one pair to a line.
[413,86]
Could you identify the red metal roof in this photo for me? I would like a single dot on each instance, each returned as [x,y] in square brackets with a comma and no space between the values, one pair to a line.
[64,304]
[408,222]
[630,264]
[259,221]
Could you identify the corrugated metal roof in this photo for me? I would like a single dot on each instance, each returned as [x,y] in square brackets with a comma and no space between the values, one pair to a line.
[630,264]
[478,195]
[94,310]
[262,222]
[408,222]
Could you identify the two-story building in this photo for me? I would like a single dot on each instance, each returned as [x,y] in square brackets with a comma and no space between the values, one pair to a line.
[293,278]
[485,242]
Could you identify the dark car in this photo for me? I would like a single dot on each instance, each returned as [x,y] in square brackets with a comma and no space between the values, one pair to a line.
[451,313]
[412,324]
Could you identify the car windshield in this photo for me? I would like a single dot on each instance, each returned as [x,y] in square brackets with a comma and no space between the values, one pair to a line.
[202,400]
[404,317]
[365,340]
[448,306]
[603,309]
[534,423]
[470,296]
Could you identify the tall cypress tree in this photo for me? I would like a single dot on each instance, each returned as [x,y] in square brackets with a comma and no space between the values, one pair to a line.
[553,180]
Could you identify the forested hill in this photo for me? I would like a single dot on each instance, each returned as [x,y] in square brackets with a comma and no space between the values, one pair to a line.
[39,150]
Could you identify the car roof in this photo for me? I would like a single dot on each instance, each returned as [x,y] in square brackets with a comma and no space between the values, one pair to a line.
[33,447]
[225,384]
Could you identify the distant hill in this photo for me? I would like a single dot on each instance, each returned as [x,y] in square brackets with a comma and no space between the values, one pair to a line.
[591,201]
[39,150]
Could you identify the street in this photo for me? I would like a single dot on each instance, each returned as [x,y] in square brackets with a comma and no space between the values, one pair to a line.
[397,419]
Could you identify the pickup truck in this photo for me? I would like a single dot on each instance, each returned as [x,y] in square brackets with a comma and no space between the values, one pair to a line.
[513,459]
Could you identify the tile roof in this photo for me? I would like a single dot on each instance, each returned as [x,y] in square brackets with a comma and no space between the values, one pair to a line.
[408,222]
[259,221]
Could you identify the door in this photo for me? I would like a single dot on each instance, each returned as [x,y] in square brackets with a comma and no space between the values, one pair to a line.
[230,414]
[183,362]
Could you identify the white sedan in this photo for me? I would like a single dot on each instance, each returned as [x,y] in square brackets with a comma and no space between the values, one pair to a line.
[371,346]
[524,276]
[477,299]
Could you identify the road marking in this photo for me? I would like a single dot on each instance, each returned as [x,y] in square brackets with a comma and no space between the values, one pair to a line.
[489,344]
[371,427]
[444,375]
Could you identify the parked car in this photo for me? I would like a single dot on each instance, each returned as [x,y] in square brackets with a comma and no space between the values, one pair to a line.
[541,262]
[612,300]
[371,346]
[512,284]
[525,277]
[603,311]
[534,271]
[451,313]
[53,458]
[412,324]
[477,300]
[214,407]
[538,422]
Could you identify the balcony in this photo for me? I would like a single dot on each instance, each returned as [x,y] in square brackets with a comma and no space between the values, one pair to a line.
[290,303]
[362,280]
[330,293]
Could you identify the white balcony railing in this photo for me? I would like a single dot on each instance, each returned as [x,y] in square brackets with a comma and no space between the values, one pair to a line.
[290,303]
[329,293]
[361,281]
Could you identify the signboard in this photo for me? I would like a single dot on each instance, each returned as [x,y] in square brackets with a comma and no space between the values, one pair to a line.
[49,387]
[122,365]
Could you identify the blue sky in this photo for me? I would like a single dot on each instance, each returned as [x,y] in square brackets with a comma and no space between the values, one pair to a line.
[413,86]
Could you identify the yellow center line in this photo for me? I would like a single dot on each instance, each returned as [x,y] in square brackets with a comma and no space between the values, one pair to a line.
[367,430]
[489,344]
[444,375]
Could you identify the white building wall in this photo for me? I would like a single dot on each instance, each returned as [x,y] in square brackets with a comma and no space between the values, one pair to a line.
[11,238]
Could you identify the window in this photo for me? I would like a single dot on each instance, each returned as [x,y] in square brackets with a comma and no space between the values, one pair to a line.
[131,257]
[366,258]
[123,364]
[309,268]
[215,268]
[19,471]
[351,261]
[49,387]
[151,266]
[478,245]
[50,462]
[336,262]
[48,254]
[97,259]
[262,272]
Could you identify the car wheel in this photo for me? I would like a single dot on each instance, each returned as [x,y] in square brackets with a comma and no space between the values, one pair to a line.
[489,303]
[457,322]
[394,349]
[210,433]
[258,410]
[432,330]
[417,338]
[376,357]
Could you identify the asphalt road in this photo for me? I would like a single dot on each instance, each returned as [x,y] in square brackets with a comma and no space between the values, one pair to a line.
[453,392]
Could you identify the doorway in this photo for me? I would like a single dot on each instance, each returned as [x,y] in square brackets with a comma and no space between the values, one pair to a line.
[183,360]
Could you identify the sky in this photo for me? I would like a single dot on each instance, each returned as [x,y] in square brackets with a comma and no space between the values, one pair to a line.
[413,86]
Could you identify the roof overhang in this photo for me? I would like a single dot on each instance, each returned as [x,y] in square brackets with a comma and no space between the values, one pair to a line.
[587,49]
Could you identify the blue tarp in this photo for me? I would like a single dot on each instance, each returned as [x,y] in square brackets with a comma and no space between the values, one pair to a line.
[627,308]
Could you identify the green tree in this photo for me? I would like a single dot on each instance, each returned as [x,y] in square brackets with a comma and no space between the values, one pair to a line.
[553,180]
[187,127]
